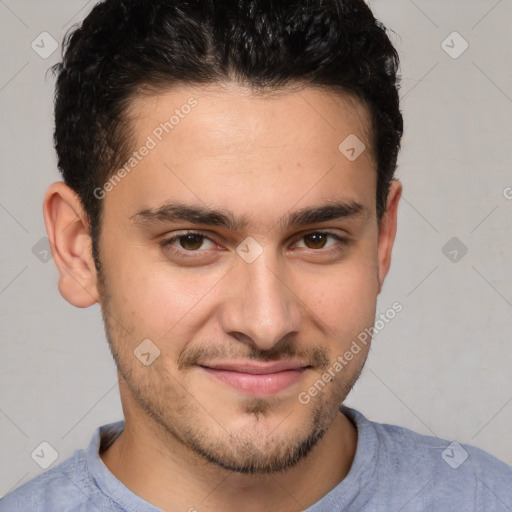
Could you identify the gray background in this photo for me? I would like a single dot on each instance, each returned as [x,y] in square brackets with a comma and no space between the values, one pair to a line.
[441,367]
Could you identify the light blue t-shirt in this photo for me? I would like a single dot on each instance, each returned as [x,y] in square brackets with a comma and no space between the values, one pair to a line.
[394,469]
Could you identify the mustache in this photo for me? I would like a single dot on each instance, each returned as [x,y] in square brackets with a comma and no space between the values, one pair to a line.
[190,356]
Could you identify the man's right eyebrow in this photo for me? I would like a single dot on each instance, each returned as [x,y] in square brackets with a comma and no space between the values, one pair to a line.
[175,212]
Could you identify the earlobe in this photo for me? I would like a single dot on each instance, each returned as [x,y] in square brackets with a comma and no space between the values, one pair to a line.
[70,244]
[387,231]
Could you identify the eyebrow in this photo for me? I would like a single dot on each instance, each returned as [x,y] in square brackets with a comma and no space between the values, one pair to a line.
[174,212]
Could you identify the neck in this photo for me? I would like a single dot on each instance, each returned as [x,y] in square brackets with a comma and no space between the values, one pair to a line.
[170,477]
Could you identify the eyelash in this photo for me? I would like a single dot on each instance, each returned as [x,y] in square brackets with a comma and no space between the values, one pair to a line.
[167,243]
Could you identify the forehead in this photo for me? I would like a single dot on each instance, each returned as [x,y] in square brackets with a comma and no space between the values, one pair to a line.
[226,115]
[224,144]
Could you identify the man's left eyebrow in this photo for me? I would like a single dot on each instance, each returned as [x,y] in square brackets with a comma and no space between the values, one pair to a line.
[201,215]
[335,210]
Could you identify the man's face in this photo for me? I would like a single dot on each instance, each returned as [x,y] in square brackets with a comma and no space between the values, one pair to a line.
[243,325]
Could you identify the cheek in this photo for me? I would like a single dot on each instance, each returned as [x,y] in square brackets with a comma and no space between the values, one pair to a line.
[344,299]
[152,298]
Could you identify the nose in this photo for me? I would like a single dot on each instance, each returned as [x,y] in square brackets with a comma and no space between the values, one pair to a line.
[260,307]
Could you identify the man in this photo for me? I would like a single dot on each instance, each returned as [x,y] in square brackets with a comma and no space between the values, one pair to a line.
[229,200]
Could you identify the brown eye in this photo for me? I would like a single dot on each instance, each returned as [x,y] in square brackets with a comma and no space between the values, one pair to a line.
[191,242]
[188,243]
[316,240]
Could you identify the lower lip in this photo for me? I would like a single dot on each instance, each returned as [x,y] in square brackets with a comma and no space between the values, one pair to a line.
[257,385]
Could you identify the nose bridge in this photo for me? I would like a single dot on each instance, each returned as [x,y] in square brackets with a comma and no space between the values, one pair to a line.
[261,304]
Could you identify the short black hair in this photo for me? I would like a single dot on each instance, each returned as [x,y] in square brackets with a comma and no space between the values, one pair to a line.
[125,46]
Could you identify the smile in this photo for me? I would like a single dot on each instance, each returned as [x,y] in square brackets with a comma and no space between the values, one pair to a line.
[257,379]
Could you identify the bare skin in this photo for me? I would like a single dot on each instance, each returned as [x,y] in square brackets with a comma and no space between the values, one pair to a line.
[193,440]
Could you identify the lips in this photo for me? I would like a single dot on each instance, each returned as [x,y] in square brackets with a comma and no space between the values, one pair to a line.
[257,378]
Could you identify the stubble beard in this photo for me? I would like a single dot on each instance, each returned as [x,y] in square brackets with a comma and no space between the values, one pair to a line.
[237,452]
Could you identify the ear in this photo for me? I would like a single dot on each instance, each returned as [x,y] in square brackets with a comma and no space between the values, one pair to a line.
[387,230]
[71,246]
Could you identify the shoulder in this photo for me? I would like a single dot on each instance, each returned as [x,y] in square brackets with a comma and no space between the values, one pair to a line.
[408,445]
[68,487]
[57,489]
[440,471]
[451,470]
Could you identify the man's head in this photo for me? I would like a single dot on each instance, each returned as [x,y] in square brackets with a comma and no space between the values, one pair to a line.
[126,47]
[230,204]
